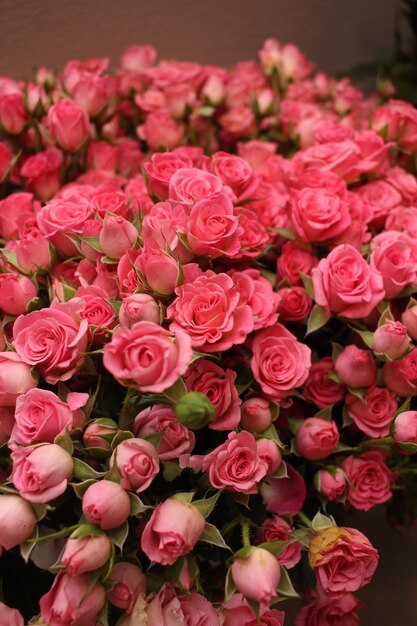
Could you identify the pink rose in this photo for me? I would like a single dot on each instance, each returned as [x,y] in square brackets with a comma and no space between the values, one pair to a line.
[331,485]
[236,173]
[257,292]
[137,58]
[176,439]
[369,480]
[356,368]
[102,156]
[172,531]
[209,310]
[9,616]
[99,434]
[405,429]
[409,319]
[72,600]
[318,388]
[256,415]
[254,236]
[345,284]
[381,197]
[13,117]
[41,473]
[279,363]
[391,339]
[293,260]
[15,210]
[42,173]
[218,385]
[373,414]
[17,521]
[192,609]
[160,130]
[129,581]
[147,357]
[68,125]
[277,529]
[257,575]
[343,559]
[116,236]
[33,251]
[190,185]
[237,612]
[106,504]
[6,423]
[294,304]
[138,463]
[394,256]
[240,122]
[86,554]
[140,307]
[270,453]
[53,340]
[316,438]
[160,169]
[198,611]
[60,218]
[286,494]
[164,222]
[5,160]
[98,312]
[236,464]
[16,292]
[319,215]
[400,376]
[322,610]
[15,378]
[93,93]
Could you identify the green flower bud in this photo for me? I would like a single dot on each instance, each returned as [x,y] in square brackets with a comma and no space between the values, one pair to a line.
[195,410]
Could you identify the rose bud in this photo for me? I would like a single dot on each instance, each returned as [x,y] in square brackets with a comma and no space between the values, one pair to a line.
[72,600]
[343,559]
[330,485]
[316,438]
[138,463]
[6,423]
[85,554]
[269,452]
[42,173]
[257,575]
[117,236]
[405,431]
[41,473]
[173,530]
[33,251]
[194,410]
[68,125]
[17,521]
[186,577]
[128,582]
[284,495]
[356,368]
[99,434]
[391,339]
[15,378]
[256,415]
[10,617]
[140,307]
[409,319]
[16,291]
[400,376]
[106,504]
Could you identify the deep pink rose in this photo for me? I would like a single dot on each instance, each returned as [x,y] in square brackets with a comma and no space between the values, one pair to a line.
[33,251]
[137,462]
[15,378]
[391,339]
[343,559]
[277,529]
[42,173]
[280,363]
[129,581]
[316,438]
[374,414]
[292,261]
[176,438]
[318,388]
[147,357]
[41,474]
[400,376]
[254,236]
[16,292]
[160,130]
[86,554]
[355,367]
[286,494]
[13,117]
[16,209]
[106,504]
[236,464]
[345,284]
[256,414]
[369,480]
[17,521]
[381,197]
[68,125]
[257,575]
[172,531]
[218,385]
[72,601]
[209,310]
[409,319]
[190,185]
[257,292]
[322,610]
[137,58]
[405,429]
[294,304]
[331,485]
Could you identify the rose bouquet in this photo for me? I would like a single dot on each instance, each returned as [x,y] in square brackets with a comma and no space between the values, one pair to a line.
[207,326]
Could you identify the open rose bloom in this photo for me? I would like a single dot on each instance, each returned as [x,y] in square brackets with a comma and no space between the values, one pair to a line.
[206,339]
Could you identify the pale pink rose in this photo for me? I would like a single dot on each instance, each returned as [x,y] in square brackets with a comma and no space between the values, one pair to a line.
[116,236]
[236,464]
[147,357]
[172,531]
[294,303]
[164,222]
[16,291]
[33,251]
[106,504]
[277,529]
[209,311]
[405,428]
[286,494]
[17,521]
[138,463]
[72,600]
[343,559]
[140,307]
[257,575]
[170,609]
[331,485]
[9,616]
[391,339]
[13,117]
[6,423]
[41,474]
[137,58]
[322,610]
[214,89]
[403,219]
[374,414]
[319,215]
[160,169]
[15,378]
[316,438]
[176,439]
[318,388]
[42,173]
[369,480]
[219,386]
[15,210]
[270,454]
[160,130]
[292,261]
[256,415]
[280,363]
[345,284]
[68,125]
[86,554]
[257,292]
[63,218]
[400,376]
[93,93]
[394,256]
[129,581]
[355,367]
[53,340]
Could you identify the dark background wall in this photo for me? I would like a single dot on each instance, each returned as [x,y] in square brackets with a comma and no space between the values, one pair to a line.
[334,33]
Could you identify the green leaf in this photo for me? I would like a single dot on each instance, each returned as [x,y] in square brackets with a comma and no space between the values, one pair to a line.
[326,413]
[281,471]
[171,470]
[81,488]
[308,284]
[174,393]
[207,505]
[272,434]
[27,546]
[321,521]
[86,530]
[119,535]
[83,471]
[285,232]
[212,535]
[366,336]
[285,587]
[64,441]
[137,507]
[229,585]
[276,547]
[317,319]
[184,496]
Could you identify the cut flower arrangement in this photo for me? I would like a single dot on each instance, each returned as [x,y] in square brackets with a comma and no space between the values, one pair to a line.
[207,340]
